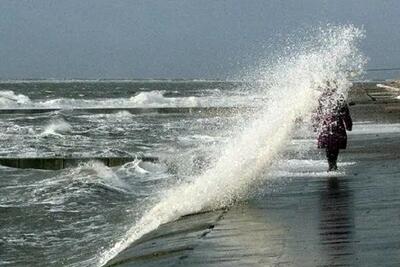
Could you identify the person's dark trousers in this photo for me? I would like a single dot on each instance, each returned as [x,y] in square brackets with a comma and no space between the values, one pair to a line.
[332,156]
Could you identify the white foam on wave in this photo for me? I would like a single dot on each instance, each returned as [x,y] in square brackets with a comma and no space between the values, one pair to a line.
[9,98]
[120,114]
[147,99]
[57,127]
[150,99]
[156,99]
[291,93]
[133,167]
[56,190]
[96,172]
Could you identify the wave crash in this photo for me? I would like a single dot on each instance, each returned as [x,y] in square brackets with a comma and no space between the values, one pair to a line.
[290,84]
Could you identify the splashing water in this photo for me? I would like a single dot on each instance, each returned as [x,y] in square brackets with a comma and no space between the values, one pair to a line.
[57,127]
[290,86]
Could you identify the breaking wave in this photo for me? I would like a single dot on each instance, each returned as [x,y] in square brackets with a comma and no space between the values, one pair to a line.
[57,127]
[9,99]
[147,99]
[290,84]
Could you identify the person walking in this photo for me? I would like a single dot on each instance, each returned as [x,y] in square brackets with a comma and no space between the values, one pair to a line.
[331,121]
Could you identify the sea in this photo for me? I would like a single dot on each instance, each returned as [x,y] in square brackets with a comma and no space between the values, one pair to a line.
[217,144]
[67,216]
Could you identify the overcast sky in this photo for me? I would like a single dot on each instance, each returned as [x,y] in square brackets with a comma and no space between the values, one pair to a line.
[173,39]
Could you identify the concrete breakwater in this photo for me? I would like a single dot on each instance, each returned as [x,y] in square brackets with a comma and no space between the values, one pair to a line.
[58,163]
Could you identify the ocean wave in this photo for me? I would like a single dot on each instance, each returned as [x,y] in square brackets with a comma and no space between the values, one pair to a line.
[9,98]
[156,99]
[57,127]
[145,99]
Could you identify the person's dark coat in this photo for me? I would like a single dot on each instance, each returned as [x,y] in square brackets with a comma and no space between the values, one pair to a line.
[331,121]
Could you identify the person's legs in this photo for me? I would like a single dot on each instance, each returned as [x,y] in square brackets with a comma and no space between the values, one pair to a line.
[332,155]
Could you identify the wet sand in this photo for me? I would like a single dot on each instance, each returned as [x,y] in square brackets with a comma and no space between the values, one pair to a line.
[348,219]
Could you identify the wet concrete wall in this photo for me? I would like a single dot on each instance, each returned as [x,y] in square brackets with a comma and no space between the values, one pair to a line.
[61,163]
